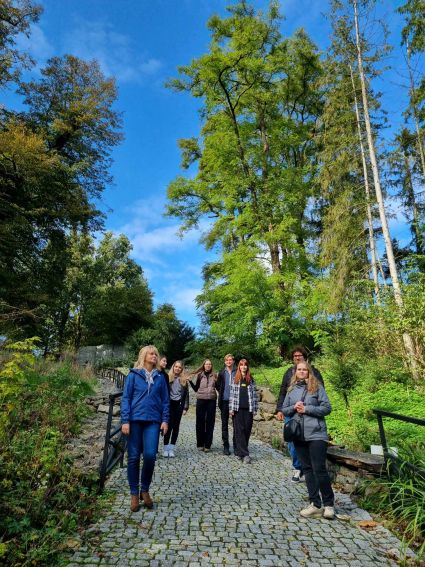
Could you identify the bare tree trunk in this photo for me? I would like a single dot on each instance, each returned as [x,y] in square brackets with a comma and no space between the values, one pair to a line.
[407,339]
[372,243]
[415,224]
[419,140]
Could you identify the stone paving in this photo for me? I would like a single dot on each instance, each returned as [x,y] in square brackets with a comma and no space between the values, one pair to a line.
[213,509]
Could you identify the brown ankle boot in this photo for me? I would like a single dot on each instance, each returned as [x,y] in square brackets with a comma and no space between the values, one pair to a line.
[147,500]
[134,504]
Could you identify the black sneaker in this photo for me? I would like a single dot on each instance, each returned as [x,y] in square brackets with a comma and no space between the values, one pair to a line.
[226,450]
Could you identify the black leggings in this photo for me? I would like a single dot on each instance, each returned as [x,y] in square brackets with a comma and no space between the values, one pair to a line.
[312,455]
[176,412]
[205,420]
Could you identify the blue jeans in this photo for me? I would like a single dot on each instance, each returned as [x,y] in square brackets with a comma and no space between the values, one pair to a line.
[143,438]
[295,460]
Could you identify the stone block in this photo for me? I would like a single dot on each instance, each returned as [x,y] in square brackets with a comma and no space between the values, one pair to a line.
[267,396]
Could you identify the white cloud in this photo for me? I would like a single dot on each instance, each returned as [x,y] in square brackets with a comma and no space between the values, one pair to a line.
[154,236]
[183,299]
[114,51]
[36,44]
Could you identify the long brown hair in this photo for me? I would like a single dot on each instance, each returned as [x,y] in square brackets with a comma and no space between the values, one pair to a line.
[182,378]
[238,375]
[202,369]
[312,382]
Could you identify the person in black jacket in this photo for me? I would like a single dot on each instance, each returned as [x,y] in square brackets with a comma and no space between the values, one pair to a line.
[298,354]
[223,384]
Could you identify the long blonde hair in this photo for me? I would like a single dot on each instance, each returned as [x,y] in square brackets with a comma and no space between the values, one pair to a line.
[182,378]
[140,362]
[312,382]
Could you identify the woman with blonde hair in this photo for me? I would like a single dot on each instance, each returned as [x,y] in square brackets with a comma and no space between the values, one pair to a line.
[206,396]
[145,411]
[243,405]
[307,397]
[179,404]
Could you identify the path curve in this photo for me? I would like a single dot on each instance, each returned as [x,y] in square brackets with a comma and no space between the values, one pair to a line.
[212,509]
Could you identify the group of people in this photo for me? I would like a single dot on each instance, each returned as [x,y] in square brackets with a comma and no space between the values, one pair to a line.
[155,401]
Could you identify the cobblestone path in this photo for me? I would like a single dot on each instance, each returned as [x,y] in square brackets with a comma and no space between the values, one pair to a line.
[212,509]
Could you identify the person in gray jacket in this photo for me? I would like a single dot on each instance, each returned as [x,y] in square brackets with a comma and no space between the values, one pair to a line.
[312,450]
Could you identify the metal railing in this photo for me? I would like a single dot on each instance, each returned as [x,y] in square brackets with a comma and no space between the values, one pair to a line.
[390,457]
[117,377]
[115,442]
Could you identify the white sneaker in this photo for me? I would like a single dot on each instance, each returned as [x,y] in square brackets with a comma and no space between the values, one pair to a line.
[296,476]
[329,512]
[166,451]
[312,512]
[171,453]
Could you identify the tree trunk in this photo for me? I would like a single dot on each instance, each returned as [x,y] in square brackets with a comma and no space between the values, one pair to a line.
[372,243]
[415,113]
[407,339]
[415,224]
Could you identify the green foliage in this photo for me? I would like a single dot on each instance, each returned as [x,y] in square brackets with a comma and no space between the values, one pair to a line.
[16,16]
[356,426]
[171,336]
[42,498]
[400,497]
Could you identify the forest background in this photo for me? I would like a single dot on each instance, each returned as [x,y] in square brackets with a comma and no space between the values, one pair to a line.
[290,177]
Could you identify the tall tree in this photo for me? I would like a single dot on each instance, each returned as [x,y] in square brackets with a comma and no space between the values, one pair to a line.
[406,175]
[257,154]
[407,339]
[72,106]
[54,161]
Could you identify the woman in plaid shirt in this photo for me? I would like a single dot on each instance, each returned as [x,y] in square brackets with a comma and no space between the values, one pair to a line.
[243,405]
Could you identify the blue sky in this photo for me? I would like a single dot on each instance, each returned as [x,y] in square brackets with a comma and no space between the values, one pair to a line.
[141,43]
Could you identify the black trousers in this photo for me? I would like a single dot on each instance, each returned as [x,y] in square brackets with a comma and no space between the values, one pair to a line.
[205,420]
[242,426]
[176,412]
[312,455]
[225,424]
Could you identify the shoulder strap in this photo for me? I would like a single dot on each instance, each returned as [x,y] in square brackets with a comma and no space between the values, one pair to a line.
[304,395]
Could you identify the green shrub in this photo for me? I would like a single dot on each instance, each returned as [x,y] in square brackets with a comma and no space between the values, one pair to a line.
[42,497]
[400,498]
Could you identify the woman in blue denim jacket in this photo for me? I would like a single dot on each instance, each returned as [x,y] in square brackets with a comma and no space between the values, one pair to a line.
[307,397]
[145,408]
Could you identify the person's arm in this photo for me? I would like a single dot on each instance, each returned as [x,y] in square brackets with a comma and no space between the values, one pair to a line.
[254,398]
[195,386]
[234,392]
[126,403]
[220,377]
[287,406]
[186,398]
[165,398]
[324,407]
[283,389]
